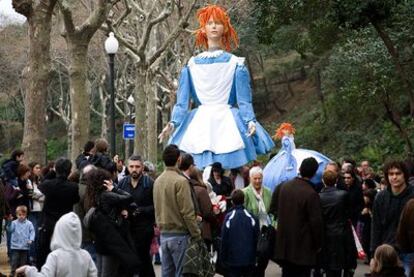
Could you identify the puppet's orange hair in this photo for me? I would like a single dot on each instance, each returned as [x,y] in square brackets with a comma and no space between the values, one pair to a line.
[230,39]
[285,126]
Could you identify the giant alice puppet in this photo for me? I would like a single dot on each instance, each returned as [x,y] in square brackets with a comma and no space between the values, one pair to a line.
[222,127]
[285,165]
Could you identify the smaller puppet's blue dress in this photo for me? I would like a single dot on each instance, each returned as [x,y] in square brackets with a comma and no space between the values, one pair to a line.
[214,110]
[285,165]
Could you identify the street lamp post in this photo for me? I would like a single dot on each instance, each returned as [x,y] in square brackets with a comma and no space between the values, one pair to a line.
[111,47]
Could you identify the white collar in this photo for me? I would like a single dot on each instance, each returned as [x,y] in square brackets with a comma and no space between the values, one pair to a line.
[210,54]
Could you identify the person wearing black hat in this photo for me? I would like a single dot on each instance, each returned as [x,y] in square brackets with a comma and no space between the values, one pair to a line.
[296,205]
[221,184]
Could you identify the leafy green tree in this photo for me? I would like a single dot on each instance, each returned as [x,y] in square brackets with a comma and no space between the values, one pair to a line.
[327,22]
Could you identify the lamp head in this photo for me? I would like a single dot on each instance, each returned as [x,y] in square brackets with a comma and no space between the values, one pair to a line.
[111,44]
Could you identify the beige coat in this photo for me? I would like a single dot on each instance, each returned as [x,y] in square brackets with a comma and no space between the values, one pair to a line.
[174,209]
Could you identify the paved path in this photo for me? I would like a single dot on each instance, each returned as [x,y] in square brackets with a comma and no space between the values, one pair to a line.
[273,270]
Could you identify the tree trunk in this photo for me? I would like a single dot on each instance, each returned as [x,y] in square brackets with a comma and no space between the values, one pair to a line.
[165,113]
[395,55]
[140,115]
[395,119]
[288,85]
[79,95]
[39,64]
[69,138]
[152,142]
[320,92]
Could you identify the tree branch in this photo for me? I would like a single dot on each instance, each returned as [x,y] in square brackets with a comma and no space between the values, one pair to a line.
[138,8]
[150,24]
[172,37]
[67,16]
[96,18]
[126,12]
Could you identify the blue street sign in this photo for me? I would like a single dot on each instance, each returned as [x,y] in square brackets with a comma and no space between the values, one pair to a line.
[129,131]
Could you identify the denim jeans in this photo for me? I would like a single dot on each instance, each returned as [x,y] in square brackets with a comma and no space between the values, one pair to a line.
[91,248]
[34,217]
[408,262]
[173,248]
[18,258]
[8,238]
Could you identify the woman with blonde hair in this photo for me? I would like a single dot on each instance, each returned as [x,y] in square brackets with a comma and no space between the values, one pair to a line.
[386,262]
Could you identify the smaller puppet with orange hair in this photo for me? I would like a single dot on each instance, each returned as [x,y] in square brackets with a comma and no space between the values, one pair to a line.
[284,129]
[220,125]
[285,165]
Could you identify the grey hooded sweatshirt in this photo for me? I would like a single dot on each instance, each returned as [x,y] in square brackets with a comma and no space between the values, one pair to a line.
[67,259]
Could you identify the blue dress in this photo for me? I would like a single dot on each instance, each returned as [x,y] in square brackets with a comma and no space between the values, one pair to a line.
[285,165]
[218,86]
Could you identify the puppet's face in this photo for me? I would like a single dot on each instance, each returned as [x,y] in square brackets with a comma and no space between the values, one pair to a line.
[214,29]
[286,132]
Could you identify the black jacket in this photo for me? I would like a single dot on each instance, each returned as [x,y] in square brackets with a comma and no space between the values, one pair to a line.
[141,211]
[356,199]
[60,196]
[102,160]
[82,160]
[225,188]
[386,215]
[111,231]
[9,168]
[339,251]
[395,271]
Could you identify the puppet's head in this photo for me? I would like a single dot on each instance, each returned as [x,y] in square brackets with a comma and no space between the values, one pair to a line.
[230,39]
[284,129]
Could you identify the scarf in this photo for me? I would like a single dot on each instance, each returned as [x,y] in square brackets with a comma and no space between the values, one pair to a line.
[262,215]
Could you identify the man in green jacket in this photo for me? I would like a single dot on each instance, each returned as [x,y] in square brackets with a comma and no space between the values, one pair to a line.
[174,213]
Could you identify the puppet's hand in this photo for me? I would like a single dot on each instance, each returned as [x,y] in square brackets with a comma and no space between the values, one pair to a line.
[166,132]
[252,129]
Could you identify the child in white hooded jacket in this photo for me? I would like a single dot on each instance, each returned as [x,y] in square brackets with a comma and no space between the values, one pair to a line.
[67,259]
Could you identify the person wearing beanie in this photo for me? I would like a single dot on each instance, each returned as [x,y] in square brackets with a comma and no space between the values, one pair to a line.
[67,259]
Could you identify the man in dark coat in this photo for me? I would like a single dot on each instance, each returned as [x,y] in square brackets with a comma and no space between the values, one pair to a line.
[389,203]
[60,196]
[9,167]
[339,251]
[296,205]
[142,218]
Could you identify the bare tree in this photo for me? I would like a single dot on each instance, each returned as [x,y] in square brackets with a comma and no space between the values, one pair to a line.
[78,39]
[39,16]
[138,33]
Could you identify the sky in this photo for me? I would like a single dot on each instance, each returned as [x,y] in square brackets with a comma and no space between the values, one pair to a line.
[7,10]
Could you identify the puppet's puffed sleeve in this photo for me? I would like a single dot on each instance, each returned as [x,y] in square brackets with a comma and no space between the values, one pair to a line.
[244,94]
[180,109]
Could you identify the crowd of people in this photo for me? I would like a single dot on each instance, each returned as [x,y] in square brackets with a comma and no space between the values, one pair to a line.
[110,218]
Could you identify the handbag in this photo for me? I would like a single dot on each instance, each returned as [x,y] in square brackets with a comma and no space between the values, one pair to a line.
[266,242]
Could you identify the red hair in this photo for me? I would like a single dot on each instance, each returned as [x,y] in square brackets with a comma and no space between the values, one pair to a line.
[230,39]
[285,126]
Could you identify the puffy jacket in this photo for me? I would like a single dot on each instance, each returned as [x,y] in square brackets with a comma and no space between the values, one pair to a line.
[240,232]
